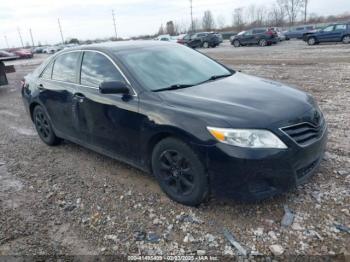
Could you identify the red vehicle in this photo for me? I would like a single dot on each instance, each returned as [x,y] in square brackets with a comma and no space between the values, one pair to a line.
[23,53]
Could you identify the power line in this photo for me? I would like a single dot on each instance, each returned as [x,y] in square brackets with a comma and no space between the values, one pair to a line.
[20,36]
[31,36]
[59,25]
[115,25]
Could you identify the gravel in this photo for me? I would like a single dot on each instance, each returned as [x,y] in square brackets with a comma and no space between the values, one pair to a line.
[70,200]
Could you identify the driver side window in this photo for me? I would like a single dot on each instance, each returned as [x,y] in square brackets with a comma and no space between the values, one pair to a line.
[328,29]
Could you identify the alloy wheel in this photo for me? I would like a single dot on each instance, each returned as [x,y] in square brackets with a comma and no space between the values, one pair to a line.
[42,124]
[205,44]
[176,172]
[311,41]
[263,42]
[346,39]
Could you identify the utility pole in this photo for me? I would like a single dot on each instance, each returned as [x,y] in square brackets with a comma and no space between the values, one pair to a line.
[192,26]
[31,36]
[59,25]
[20,36]
[115,25]
[7,43]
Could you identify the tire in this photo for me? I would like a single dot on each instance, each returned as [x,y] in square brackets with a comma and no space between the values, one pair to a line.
[311,41]
[179,172]
[346,39]
[262,43]
[205,45]
[44,127]
[236,43]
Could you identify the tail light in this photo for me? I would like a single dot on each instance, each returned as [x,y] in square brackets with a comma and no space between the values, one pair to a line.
[23,83]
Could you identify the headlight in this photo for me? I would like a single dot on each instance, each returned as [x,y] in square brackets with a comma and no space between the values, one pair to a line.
[251,138]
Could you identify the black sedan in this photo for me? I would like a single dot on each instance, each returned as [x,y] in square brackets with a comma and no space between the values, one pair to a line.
[195,124]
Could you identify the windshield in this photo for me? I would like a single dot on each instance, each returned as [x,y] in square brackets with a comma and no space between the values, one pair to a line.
[159,67]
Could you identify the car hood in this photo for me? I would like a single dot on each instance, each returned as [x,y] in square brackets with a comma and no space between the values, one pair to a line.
[243,101]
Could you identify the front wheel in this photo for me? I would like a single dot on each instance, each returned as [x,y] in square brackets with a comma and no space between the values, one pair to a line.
[236,43]
[346,39]
[263,42]
[311,41]
[180,173]
[205,45]
[44,127]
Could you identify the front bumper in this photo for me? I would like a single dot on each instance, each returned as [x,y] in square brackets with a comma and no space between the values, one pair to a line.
[256,174]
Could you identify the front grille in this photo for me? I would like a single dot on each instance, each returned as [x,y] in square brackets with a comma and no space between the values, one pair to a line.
[305,133]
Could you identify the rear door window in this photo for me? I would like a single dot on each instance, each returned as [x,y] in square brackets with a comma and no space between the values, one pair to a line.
[65,67]
[340,27]
[97,68]
[47,72]
[329,28]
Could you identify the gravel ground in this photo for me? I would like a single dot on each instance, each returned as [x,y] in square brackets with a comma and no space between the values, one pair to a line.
[68,200]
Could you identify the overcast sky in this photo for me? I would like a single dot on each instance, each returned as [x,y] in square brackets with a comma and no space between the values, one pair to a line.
[86,19]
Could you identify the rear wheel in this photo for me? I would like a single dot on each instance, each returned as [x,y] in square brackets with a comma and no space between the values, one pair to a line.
[311,41]
[346,39]
[263,42]
[179,172]
[236,43]
[44,127]
[206,45]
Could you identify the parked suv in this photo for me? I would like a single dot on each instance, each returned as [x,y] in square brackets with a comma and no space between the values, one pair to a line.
[331,33]
[298,32]
[201,39]
[256,36]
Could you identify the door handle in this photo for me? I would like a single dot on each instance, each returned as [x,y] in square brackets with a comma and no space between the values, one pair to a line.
[80,97]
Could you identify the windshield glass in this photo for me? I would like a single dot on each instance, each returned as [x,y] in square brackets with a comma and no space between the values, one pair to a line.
[159,67]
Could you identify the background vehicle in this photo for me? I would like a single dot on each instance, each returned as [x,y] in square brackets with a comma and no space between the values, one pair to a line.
[200,39]
[53,49]
[4,55]
[280,35]
[168,38]
[23,53]
[256,36]
[298,32]
[331,33]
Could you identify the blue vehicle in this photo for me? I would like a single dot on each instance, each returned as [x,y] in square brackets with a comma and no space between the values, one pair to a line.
[298,32]
[331,33]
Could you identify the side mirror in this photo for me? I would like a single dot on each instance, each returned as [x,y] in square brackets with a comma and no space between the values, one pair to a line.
[114,87]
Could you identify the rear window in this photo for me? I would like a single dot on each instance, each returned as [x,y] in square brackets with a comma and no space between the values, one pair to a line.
[65,66]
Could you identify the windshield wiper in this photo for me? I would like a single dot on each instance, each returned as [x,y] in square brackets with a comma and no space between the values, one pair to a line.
[172,87]
[214,77]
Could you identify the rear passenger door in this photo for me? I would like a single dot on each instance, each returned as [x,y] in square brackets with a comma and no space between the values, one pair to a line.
[57,87]
[339,31]
[110,121]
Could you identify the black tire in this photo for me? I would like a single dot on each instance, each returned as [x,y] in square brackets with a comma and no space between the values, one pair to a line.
[311,41]
[346,39]
[262,42]
[180,173]
[44,127]
[236,43]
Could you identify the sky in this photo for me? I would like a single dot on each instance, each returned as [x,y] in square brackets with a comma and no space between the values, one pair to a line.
[90,19]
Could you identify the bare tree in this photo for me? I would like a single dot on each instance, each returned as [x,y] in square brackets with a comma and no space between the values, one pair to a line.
[260,15]
[237,18]
[277,15]
[292,8]
[208,21]
[170,28]
[161,30]
[305,6]
[251,14]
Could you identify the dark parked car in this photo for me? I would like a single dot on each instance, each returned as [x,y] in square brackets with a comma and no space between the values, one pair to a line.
[202,39]
[198,126]
[331,33]
[298,32]
[257,36]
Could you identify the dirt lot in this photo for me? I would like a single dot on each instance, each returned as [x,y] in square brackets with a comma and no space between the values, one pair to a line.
[70,200]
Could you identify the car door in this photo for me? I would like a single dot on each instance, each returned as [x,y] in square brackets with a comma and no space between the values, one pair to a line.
[338,32]
[326,34]
[57,86]
[247,38]
[110,121]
